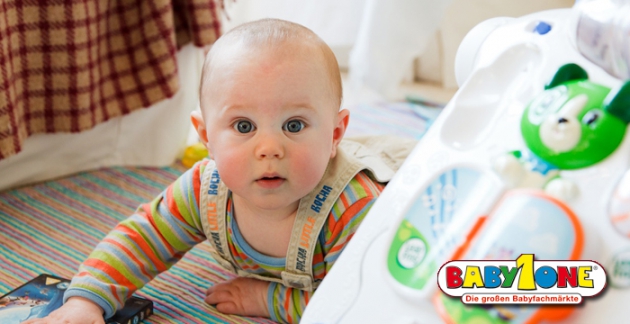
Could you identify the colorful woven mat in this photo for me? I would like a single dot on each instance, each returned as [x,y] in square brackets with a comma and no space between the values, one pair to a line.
[51,228]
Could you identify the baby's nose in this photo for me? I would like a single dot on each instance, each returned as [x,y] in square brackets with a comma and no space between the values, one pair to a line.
[269,146]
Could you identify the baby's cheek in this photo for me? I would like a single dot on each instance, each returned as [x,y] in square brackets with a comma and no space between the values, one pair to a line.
[232,167]
[310,166]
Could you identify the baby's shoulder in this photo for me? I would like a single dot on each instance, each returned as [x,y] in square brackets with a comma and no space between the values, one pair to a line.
[363,186]
[200,167]
[351,207]
[361,190]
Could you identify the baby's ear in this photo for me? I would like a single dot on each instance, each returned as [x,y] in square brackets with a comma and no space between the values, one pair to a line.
[343,117]
[197,120]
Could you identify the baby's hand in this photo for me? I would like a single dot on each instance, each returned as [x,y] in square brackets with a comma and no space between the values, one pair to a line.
[76,310]
[240,296]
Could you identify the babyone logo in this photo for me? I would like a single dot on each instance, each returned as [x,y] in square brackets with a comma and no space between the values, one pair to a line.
[522,281]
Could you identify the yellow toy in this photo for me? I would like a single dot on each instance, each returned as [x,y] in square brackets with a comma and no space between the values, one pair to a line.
[193,154]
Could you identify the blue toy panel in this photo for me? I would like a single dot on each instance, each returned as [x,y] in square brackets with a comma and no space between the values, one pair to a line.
[435,223]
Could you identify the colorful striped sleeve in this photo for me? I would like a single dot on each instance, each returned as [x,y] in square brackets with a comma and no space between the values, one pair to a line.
[149,242]
[285,304]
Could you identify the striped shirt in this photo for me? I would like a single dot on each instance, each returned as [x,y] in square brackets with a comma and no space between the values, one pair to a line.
[159,233]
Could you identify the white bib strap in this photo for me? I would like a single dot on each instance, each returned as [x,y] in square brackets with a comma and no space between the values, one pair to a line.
[381,155]
[311,215]
[212,209]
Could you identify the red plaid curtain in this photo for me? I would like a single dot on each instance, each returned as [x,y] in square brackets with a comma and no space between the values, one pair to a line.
[67,65]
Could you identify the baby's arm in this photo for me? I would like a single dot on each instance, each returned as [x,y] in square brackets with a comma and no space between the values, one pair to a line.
[156,236]
[286,304]
[253,297]
[240,296]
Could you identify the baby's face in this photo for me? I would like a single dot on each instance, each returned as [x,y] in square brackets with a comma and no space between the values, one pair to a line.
[272,123]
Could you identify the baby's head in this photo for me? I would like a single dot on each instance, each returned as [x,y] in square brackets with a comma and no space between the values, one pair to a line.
[270,98]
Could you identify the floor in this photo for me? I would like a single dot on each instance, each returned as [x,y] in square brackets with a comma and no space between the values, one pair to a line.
[419,90]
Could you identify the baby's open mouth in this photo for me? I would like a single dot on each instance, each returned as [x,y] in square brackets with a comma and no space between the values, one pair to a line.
[270,182]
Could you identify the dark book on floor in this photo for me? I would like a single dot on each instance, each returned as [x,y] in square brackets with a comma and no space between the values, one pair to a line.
[43,294]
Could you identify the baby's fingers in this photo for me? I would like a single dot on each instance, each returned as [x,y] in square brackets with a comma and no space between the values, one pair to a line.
[216,288]
[224,302]
[219,296]
[229,308]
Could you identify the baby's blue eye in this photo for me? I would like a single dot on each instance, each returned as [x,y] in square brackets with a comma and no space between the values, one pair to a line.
[293,126]
[243,126]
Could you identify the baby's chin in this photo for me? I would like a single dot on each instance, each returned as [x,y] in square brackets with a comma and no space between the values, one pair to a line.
[274,203]
[279,199]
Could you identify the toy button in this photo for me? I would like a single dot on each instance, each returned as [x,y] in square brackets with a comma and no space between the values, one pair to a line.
[542,28]
[619,272]
[411,253]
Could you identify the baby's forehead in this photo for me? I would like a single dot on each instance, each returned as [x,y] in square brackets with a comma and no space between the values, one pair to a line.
[282,38]
[301,53]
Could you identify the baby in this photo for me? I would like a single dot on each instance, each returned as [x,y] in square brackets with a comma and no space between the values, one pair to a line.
[279,198]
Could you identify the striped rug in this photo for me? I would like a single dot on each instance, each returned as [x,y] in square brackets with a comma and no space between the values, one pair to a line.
[51,228]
